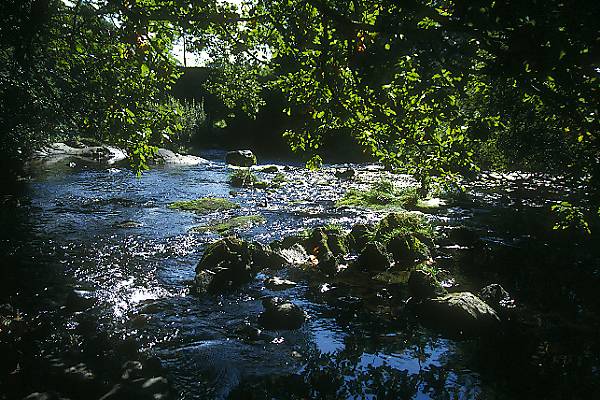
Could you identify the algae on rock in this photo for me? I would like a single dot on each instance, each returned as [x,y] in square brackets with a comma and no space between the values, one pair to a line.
[204,205]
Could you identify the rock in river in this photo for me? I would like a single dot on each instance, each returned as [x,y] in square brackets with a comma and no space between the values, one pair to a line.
[281,315]
[423,285]
[458,314]
[240,158]
[225,264]
[374,257]
[497,297]
[277,283]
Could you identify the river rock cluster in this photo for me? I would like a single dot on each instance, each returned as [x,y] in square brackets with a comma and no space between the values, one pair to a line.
[398,249]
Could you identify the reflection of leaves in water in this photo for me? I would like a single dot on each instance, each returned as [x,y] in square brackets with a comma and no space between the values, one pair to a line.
[338,377]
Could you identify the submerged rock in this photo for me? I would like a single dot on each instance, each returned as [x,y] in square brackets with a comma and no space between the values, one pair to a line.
[281,315]
[423,285]
[248,332]
[461,314]
[225,264]
[374,257]
[240,158]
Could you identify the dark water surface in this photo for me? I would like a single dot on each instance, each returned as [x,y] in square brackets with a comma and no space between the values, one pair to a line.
[110,237]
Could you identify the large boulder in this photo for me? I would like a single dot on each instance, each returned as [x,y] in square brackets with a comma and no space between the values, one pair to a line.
[281,315]
[374,258]
[240,158]
[458,314]
[225,264]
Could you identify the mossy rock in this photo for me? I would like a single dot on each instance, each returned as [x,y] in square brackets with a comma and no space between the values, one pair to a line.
[374,257]
[413,223]
[234,223]
[246,178]
[423,283]
[460,314]
[392,277]
[263,256]
[337,240]
[204,205]
[229,248]
[360,235]
[407,249]
[317,244]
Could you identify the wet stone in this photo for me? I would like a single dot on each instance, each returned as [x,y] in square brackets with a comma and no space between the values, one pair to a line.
[281,315]
[240,158]
[496,297]
[226,264]
[345,173]
[78,300]
[374,257]
[132,370]
[459,314]
[423,285]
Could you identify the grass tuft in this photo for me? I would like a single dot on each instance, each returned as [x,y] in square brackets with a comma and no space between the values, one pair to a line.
[381,195]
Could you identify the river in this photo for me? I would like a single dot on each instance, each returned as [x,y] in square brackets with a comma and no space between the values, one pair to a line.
[109,236]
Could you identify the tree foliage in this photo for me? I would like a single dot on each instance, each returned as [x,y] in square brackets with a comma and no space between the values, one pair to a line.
[73,69]
[435,87]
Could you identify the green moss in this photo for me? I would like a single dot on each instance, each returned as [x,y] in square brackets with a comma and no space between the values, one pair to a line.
[381,195]
[223,228]
[204,205]
[244,177]
[408,236]
[404,223]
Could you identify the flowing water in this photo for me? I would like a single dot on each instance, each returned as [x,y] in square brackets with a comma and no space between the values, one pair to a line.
[110,237]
